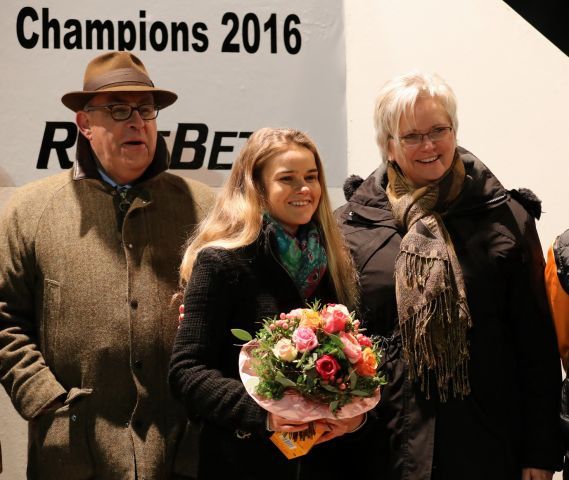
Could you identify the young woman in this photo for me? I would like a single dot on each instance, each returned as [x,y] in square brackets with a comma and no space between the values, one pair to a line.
[269,245]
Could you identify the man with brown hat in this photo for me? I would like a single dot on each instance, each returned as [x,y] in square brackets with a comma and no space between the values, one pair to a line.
[88,266]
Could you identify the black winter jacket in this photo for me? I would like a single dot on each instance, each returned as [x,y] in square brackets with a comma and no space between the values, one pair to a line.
[237,289]
[510,420]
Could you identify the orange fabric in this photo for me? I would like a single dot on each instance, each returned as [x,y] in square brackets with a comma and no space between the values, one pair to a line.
[558,300]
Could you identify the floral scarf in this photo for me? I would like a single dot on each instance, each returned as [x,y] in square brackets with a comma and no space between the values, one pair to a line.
[303,255]
[431,297]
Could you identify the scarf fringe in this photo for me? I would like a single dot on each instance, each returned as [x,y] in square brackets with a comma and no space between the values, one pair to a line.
[418,268]
[434,335]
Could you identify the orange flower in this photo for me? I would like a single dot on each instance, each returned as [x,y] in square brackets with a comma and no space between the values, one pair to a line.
[309,318]
[367,366]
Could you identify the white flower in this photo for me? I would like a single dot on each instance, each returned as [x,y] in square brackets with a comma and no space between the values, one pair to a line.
[284,349]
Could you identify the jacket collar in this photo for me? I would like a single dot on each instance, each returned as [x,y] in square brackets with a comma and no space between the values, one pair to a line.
[481,190]
[86,162]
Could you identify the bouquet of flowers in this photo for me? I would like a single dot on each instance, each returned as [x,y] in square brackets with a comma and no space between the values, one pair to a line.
[312,363]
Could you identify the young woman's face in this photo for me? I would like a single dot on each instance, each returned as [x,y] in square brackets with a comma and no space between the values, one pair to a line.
[429,160]
[292,187]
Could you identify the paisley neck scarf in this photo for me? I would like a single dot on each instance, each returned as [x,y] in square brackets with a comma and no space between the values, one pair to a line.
[303,256]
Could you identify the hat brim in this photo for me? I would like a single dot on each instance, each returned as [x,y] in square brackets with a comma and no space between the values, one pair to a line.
[77,100]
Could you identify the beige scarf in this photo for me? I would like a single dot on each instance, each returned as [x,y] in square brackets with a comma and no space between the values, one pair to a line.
[431,298]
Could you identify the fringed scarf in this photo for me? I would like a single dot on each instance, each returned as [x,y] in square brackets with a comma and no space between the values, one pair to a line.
[431,298]
[303,255]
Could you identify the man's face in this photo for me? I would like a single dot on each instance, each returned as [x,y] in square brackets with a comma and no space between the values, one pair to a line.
[124,148]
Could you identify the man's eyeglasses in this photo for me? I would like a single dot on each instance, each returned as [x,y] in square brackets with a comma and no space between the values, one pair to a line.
[435,135]
[123,111]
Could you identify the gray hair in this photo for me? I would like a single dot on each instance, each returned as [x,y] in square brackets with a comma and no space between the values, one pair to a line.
[397,98]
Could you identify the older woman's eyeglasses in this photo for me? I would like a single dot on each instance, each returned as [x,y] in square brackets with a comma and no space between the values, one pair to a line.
[436,134]
[123,111]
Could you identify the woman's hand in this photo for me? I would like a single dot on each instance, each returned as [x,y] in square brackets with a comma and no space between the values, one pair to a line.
[536,474]
[337,428]
[281,424]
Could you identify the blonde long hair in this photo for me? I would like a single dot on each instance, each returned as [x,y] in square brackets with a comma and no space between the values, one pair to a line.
[236,218]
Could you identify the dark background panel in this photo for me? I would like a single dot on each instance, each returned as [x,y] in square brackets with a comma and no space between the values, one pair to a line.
[550,17]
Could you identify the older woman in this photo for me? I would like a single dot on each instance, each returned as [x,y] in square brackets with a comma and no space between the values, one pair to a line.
[451,270]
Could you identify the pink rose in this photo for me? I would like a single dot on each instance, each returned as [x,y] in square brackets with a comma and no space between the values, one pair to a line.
[304,339]
[334,318]
[363,340]
[352,348]
[327,367]
[296,313]
[284,349]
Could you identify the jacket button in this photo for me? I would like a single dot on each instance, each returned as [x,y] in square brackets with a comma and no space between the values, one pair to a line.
[134,304]
[73,418]
[130,246]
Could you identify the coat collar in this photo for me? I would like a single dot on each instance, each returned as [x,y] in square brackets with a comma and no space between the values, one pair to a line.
[481,190]
[86,162]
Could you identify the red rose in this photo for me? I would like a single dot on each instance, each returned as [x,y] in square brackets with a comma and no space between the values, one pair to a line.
[327,367]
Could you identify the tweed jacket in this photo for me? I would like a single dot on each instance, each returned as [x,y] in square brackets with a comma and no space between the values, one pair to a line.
[237,289]
[510,419]
[86,317]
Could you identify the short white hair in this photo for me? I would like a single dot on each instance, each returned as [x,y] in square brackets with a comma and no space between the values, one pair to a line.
[397,98]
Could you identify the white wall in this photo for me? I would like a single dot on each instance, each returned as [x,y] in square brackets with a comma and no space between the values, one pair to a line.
[512,86]
[513,92]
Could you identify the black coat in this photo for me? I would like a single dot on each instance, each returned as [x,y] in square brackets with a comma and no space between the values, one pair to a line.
[510,420]
[237,289]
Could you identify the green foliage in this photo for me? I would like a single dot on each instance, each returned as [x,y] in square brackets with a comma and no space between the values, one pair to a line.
[242,335]
[285,382]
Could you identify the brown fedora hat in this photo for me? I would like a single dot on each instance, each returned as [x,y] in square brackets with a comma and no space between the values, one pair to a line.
[116,72]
